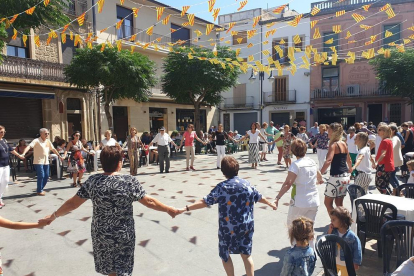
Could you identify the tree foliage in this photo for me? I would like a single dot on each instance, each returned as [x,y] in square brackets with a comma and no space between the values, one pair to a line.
[396,72]
[116,75]
[198,82]
[50,16]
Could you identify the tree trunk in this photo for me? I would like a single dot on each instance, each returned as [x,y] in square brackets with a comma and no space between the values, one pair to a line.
[108,114]
[197,126]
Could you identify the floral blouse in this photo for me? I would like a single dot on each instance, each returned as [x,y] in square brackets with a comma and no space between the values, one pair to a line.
[322,140]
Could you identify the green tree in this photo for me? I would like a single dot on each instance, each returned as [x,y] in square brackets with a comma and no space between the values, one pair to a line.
[51,16]
[195,81]
[396,73]
[116,75]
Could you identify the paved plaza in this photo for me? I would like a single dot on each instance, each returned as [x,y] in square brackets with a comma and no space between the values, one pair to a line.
[186,245]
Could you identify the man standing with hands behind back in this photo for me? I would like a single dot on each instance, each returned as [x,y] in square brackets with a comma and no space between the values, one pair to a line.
[41,150]
[163,139]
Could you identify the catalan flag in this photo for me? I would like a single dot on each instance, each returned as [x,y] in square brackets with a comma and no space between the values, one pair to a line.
[251,33]
[133,37]
[65,28]
[238,52]
[166,19]
[184,10]
[365,27]
[24,38]
[296,39]
[198,33]
[358,18]
[101,4]
[160,11]
[13,18]
[216,13]
[329,41]
[37,40]
[191,19]
[119,45]
[316,34]
[250,45]
[406,41]
[30,10]
[135,11]
[315,11]
[313,23]
[71,35]
[242,4]
[387,53]
[239,40]
[119,23]
[348,35]
[279,9]
[14,34]
[271,32]
[390,13]
[295,22]
[411,28]
[209,28]
[211,4]
[81,19]
[46,2]
[366,7]
[266,52]
[150,30]
[340,13]
[233,33]
[337,29]
[231,25]
[279,50]
[385,7]
[78,40]
[256,21]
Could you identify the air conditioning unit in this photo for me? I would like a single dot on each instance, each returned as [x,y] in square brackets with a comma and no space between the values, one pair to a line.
[352,90]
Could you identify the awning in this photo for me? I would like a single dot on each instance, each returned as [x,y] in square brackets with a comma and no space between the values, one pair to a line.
[27,94]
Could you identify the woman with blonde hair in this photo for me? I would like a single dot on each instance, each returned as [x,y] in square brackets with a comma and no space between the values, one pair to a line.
[341,167]
[384,161]
[132,143]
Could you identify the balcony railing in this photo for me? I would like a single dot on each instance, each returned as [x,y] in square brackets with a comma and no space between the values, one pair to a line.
[126,32]
[334,4]
[239,103]
[288,96]
[32,69]
[349,91]
[76,7]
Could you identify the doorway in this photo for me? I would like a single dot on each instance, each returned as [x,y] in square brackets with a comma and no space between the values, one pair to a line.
[74,123]
[281,118]
[120,122]
[157,118]
[375,113]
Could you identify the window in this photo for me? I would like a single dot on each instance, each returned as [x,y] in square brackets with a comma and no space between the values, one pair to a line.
[284,46]
[395,113]
[395,30]
[73,104]
[241,36]
[330,79]
[15,51]
[327,47]
[125,30]
[68,51]
[181,33]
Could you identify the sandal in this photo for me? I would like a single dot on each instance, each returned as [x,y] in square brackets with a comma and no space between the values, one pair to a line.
[79,183]
[74,185]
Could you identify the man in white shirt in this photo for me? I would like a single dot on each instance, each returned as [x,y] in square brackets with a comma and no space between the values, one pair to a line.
[163,139]
[41,150]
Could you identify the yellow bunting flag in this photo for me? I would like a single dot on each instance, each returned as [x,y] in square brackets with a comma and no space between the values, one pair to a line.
[400,48]
[242,4]
[119,23]
[348,35]
[30,11]
[270,60]
[337,29]
[334,58]
[366,7]
[24,38]
[77,40]
[219,29]
[308,51]
[392,44]
[145,46]
[388,33]
[122,1]
[406,41]
[329,41]
[365,27]
[233,33]
[103,30]
[13,18]
[46,2]
[390,13]
[166,20]
[119,45]
[14,34]
[387,53]
[211,4]
[251,33]
[184,10]
[340,13]
[216,13]
[231,25]
[132,49]
[296,39]
[313,23]
[256,20]
[89,45]
[305,62]
[65,28]
[295,22]
[37,40]
[291,53]
[238,52]
[160,11]
[315,11]
[250,58]
[279,9]
[150,30]
[133,37]
[198,33]
[250,45]
[358,18]
[385,7]
[71,35]
[158,39]
[135,11]
[411,28]
[81,19]
[271,32]
[266,52]
[270,25]
[373,38]
[191,19]
[279,51]
[209,28]
[316,34]
[101,4]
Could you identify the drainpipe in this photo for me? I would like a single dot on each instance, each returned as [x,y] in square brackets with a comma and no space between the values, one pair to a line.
[261,79]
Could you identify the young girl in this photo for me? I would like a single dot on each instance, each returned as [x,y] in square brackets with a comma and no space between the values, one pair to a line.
[363,162]
[18,226]
[340,225]
[76,164]
[287,141]
[300,260]
[410,165]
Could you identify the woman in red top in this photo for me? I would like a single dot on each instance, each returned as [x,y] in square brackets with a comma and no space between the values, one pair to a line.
[188,141]
[384,160]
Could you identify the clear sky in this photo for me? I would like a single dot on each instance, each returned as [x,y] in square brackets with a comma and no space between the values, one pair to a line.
[200,7]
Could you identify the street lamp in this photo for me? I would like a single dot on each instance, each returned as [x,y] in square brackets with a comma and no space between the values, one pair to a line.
[271,79]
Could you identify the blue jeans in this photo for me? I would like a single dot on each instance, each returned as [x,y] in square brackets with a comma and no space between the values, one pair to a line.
[271,147]
[393,178]
[42,172]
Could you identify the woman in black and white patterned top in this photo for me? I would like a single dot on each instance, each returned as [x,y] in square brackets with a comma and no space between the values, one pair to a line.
[113,231]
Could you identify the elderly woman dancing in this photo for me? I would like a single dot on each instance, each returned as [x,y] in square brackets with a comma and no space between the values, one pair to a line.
[113,227]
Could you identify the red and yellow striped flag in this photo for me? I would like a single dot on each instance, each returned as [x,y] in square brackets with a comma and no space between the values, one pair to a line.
[150,30]
[63,37]
[390,13]
[387,53]
[348,35]
[242,4]
[78,40]
[340,13]
[48,40]
[184,10]
[101,4]
[385,7]
[37,40]
[122,1]
[388,33]
[337,29]
[191,17]
[24,38]
[46,2]
[329,41]
[297,39]
[256,21]
[270,32]
[166,20]
[103,30]
[65,28]
[316,34]
[233,33]
[71,35]
[358,18]
[295,22]
[159,39]
[313,23]
[185,24]
[209,28]
[89,45]
[279,9]
[406,41]
[239,40]
[365,27]
[133,37]
[411,28]
[366,7]
[119,45]
[103,47]
[211,4]
[315,11]
[119,23]
[160,11]
[135,11]
[53,34]
[81,19]
[30,11]
[251,33]
[14,34]
[373,38]
[216,13]
[13,18]
[231,25]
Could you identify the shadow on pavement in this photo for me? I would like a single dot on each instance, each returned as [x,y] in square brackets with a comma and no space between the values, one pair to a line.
[274,268]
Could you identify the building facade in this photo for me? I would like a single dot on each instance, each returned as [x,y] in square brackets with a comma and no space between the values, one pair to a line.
[350,92]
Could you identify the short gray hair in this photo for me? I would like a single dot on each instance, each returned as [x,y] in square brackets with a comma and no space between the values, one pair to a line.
[42,130]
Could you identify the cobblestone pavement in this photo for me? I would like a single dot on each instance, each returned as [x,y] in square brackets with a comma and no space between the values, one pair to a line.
[186,245]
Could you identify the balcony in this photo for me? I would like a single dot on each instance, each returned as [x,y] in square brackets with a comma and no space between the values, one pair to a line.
[15,67]
[239,103]
[331,5]
[350,91]
[288,96]
[76,7]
